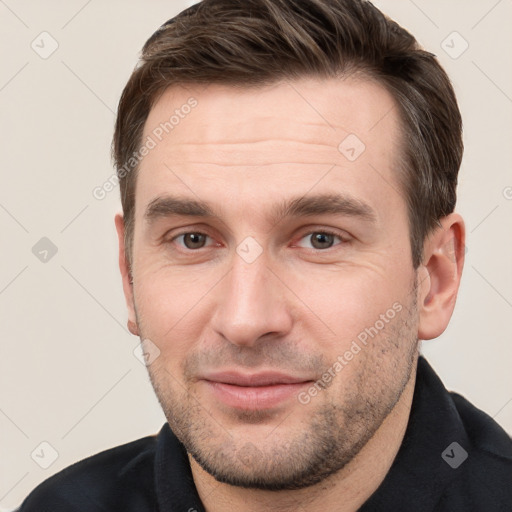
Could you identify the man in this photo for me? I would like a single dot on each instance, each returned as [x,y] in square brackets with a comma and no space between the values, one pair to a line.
[288,174]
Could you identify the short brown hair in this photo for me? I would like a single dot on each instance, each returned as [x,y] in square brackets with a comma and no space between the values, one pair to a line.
[260,42]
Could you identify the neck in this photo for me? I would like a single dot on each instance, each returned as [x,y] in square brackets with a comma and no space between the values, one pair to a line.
[345,491]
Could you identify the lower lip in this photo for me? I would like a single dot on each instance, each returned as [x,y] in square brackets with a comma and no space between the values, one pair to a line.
[256,397]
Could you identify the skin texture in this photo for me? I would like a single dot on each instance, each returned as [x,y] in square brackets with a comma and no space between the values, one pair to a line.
[300,304]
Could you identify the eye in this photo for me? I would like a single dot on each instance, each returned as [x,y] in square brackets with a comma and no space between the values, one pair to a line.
[321,239]
[191,239]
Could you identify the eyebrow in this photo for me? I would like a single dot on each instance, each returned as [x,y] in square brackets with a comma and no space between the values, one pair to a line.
[302,206]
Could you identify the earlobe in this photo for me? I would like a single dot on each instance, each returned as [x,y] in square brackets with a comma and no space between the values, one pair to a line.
[126,276]
[132,327]
[439,276]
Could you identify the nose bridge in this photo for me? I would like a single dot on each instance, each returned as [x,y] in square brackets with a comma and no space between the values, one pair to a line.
[247,282]
[248,291]
[251,303]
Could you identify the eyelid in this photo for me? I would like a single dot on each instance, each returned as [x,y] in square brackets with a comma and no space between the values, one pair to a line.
[172,233]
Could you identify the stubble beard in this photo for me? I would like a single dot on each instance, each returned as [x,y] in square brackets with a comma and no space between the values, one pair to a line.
[330,437]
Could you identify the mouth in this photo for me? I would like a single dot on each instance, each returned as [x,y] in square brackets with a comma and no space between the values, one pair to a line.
[253,391]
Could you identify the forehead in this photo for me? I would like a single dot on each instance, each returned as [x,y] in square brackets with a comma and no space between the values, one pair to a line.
[331,107]
[273,140]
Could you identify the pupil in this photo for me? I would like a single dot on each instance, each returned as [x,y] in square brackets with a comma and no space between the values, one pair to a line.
[323,238]
[196,240]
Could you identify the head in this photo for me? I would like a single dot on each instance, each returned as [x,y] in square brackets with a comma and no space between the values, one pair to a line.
[288,174]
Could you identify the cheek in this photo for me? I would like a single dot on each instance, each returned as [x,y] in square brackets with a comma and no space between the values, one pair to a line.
[171,309]
[344,303]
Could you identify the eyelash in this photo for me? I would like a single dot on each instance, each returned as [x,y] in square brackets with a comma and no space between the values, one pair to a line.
[343,239]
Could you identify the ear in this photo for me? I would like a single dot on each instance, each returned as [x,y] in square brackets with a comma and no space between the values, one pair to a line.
[439,276]
[126,276]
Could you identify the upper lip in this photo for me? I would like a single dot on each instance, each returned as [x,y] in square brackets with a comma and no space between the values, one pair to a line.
[253,380]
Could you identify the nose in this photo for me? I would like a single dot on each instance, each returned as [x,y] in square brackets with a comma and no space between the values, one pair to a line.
[251,303]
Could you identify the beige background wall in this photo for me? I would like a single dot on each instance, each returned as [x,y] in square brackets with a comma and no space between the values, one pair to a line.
[68,375]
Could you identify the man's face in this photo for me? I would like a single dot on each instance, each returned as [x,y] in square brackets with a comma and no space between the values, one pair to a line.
[286,335]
